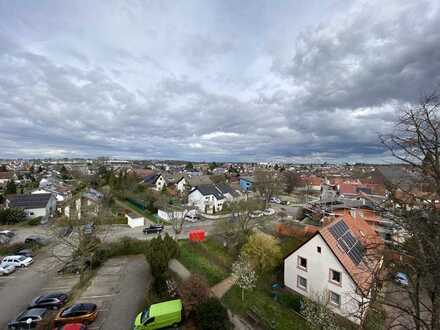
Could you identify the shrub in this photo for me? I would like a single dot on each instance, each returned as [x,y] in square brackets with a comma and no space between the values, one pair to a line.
[160,286]
[159,252]
[11,216]
[290,301]
[34,222]
[211,314]
[194,291]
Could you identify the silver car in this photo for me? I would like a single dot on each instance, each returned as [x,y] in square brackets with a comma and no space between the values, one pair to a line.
[16,261]
[6,270]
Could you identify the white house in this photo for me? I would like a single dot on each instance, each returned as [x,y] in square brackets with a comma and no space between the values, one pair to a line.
[34,205]
[335,267]
[210,198]
[181,185]
[156,181]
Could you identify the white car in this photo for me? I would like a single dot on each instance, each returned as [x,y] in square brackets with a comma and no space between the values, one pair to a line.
[269,212]
[6,270]
[191,218]
[275,200]
[16,261]
[256,214]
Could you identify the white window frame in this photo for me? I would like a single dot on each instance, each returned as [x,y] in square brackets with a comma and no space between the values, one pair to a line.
[298,282]
[332,302]
[330,275]
[299,263]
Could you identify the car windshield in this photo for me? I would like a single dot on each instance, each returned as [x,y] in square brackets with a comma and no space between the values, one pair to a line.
[144,316]
[22,258]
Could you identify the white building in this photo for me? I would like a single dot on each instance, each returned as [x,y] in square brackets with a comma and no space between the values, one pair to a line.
[35,205]
[334,267]
[156,181]
[134,220]
[181,185]
[210,198]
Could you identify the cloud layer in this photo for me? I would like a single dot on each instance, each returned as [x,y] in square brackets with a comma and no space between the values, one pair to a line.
[217,80]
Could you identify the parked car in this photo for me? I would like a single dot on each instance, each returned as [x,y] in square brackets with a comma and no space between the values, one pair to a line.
[275,200]
[35,315]
[161,315]
[16,261]
[37,240]
[25,252]
[7,233]
[78,313]
[73,326]
[256,214]
[6,270]
[401,279]
[50,301]
[269,212]
[285,203]
[192,218]
[152,229]
[89,228]
[4,239]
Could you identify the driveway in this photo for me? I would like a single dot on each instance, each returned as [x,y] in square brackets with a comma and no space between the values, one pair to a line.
[119,289]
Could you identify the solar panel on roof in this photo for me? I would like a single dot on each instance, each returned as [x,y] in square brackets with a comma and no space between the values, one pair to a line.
[338,229]
[347,241]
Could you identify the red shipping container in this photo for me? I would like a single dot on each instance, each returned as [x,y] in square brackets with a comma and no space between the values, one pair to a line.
[197,235]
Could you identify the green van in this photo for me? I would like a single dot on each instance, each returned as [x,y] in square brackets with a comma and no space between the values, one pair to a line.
[165,314]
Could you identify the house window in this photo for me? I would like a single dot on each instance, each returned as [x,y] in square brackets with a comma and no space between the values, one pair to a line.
[335,299]
[301,282]
[318,248]
[335,276]
[302,263]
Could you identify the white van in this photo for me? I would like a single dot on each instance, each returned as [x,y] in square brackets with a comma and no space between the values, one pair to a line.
[17,261]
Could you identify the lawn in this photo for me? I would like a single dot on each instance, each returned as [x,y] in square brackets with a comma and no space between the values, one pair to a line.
[208,258]
[128,205]
[280,316]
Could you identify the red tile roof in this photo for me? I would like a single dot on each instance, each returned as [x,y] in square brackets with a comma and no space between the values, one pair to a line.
[363,273]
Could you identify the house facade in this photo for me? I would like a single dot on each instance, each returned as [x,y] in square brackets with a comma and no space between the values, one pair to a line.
[246,183]
[332,267]
[155,181]
[210,198]
[181,185]
[34,205]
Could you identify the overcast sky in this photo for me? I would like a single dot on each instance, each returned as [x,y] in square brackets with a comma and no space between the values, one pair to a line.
[220,80]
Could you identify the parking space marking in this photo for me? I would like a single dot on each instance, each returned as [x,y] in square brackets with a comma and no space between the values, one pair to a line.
[100,296]
[57,288]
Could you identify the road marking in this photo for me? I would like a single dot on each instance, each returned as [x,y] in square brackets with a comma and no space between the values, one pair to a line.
[101,296]
[56,288]
[7,277]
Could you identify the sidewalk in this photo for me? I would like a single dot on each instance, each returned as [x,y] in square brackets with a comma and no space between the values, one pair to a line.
[220,289]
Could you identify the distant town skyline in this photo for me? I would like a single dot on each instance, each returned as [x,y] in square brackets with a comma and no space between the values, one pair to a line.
[297,81]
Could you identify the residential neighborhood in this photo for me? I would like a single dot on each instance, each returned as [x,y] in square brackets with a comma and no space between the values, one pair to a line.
[220,165]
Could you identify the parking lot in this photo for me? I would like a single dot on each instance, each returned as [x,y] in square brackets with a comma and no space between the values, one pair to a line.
[118,289]
[18,289]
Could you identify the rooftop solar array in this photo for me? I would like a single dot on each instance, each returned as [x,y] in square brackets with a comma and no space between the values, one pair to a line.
[347,241]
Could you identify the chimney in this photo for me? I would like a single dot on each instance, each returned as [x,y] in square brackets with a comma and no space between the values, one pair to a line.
[353,212]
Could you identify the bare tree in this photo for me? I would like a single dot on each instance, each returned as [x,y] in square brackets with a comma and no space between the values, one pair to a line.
[267,183]
[416,142]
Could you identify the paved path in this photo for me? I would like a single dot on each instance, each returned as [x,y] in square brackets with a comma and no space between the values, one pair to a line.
[180,270]
[119,289]
[220,289]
